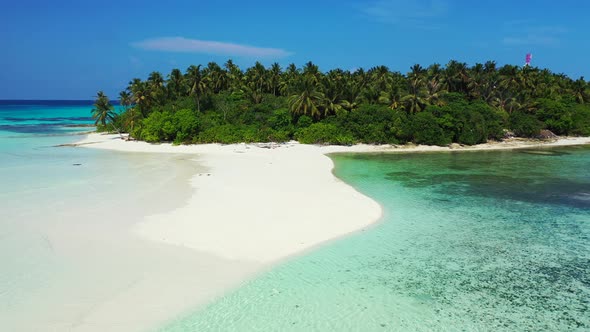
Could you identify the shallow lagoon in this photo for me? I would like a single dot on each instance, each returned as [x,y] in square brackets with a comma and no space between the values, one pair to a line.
[69,257]
[496,240]
[468,241]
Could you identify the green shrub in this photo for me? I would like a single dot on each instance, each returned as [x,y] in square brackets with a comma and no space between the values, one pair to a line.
[496,121]
[372,124]
[152,127]
[179,127]
[323,133]
[185,125]
[426,130]
[581,120]
[280,136]
[556,114]
[525,125]
[473,129]
[304,121]
[280,119]
[226,134]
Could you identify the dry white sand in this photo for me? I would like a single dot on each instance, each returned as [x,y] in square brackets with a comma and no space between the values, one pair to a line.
[254,205]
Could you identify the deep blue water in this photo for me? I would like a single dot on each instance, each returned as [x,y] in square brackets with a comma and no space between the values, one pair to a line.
[48,103]
[44,117]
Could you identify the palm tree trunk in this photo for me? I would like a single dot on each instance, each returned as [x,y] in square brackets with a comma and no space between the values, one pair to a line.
[117,130]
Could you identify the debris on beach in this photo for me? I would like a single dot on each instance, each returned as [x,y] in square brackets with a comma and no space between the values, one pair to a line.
[546,134]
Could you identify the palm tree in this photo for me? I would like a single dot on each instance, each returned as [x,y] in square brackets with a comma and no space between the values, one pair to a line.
[333,89]
[415,100]
[217,77]
[477,81]
[274,78]
[155,79]
[434,92]
[504,100]
[370,94]
[175,83]
[312,71]
[581,90]
[288,79]
[435,72]
[234,75]
[414,103]
[416,71]
[307,99]
[489,67]
[361,78]
[392,98]
[561,83]
[394,92]
[256,81]
[197,83]
[140,96]
[256,95]
[103,111]
[352,88]
[456,76]
[156,87]
[545,86]
[292,71]
[380,77]
[332,105]
[509,78]
[125,99]
[526,81]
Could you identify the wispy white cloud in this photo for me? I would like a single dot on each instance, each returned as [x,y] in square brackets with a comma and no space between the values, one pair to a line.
[526,33]
[417,13]
[185,45]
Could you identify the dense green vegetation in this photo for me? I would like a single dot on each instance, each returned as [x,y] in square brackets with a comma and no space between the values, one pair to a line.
[434,105]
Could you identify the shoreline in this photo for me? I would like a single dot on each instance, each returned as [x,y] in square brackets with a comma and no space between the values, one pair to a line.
[248,204]
[216,157]
[113,142]
[253,196]
[266,203]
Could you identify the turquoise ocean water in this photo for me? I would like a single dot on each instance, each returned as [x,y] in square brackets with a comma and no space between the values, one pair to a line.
[29,160]
[482,241]
[66,247]
[472,241]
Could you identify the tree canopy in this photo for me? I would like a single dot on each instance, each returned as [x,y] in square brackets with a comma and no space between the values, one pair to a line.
[433,105]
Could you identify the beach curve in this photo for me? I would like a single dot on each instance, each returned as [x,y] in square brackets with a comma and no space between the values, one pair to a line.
[257,202]
[262,203]
[267,201]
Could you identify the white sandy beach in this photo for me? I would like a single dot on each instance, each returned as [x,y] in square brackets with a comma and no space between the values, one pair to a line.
[254,205]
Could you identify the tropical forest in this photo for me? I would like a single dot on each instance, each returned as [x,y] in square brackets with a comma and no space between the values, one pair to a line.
[436,105]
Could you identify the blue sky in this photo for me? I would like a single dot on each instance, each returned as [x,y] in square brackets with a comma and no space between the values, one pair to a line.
[70,49]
